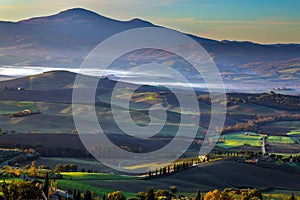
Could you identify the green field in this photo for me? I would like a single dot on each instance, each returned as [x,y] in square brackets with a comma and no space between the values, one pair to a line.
[294,133]
[92,181]
[281,139]
[9,107]
[240,139]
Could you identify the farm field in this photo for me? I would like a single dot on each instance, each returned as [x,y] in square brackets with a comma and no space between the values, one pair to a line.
[281,128]
[92,181]
[239,139]
[82,163]
[294,133]
[219,174]
[281,139]
[253,109]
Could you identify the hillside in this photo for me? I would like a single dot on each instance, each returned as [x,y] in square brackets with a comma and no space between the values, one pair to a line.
[64,39]
[52,80]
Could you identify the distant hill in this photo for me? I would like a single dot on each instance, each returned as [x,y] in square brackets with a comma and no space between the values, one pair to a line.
[64,39]
[44,81]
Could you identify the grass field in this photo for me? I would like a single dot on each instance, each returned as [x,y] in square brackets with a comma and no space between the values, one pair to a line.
[281,139]
[9,107]
[240,139]
[294,132]
[91,181]
[281,128]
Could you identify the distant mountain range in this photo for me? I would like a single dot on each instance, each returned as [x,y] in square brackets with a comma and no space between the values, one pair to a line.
[64,39]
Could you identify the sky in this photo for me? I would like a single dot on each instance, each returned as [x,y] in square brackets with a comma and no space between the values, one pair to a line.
[262,21]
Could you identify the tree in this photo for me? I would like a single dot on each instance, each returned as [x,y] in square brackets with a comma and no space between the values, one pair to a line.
[46,185]
[66,167]
[59,168]
[116,195]
[292,197]
[217,195]
[150,194]
[32,170]
[73,167]
[18,172]
[198,195]
[173,189]
[77,195]
[141,195]
[87,195]
[161,193]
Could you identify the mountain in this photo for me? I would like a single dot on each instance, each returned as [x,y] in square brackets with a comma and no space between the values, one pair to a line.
[64,39]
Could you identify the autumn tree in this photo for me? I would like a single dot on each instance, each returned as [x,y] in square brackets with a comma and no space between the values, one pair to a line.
[19,190]
[32,170]
[217,195]
[116,195]
[59,168]
[252,194]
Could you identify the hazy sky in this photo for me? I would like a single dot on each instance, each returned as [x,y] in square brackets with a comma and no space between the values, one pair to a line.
[264,21]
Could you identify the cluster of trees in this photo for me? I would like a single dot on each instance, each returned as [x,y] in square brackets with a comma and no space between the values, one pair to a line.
[62,152]
[77,195]
[275,100]
[20,190]
[33,189]
[66,168]
[291,158]
[177,167]
[272,99]
[253,125]
[246,126]
[29,170]
[226,194]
